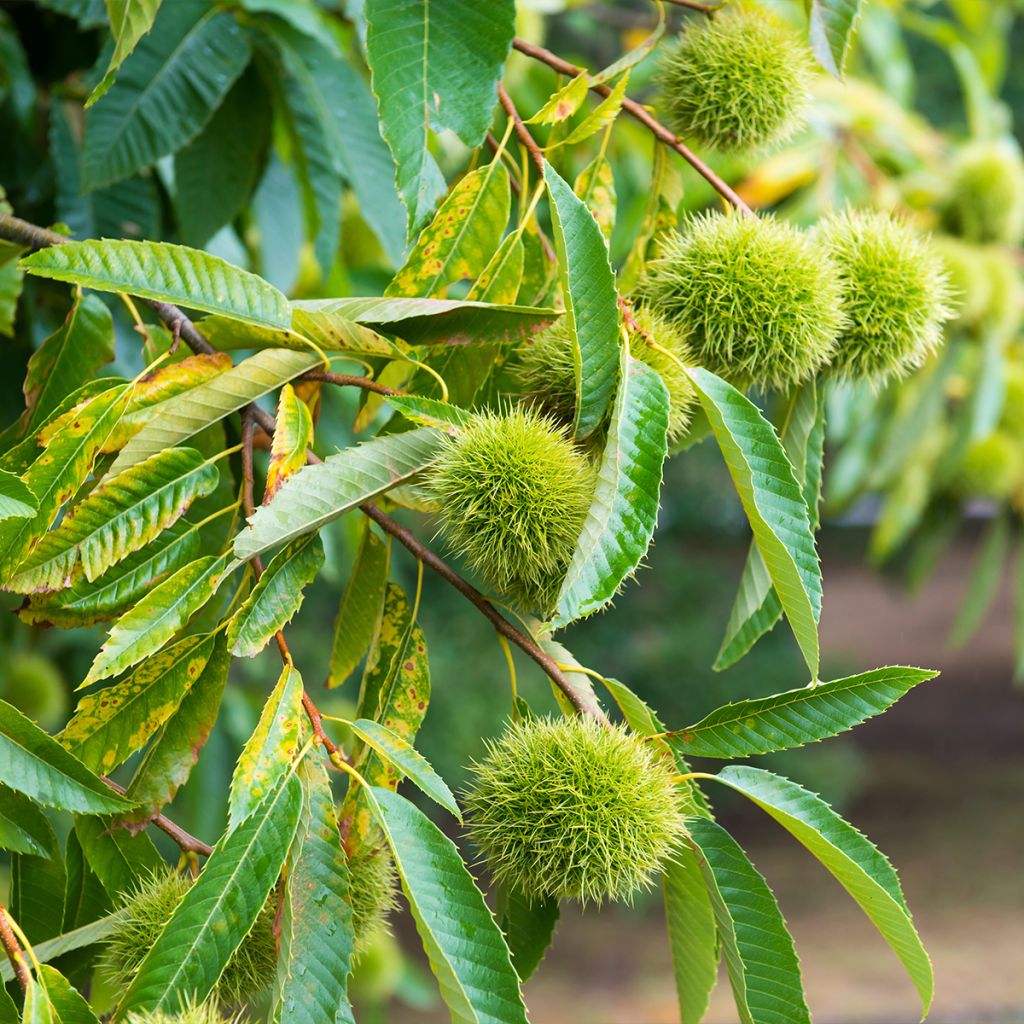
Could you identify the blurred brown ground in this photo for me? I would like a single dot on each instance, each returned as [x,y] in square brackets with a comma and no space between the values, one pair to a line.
[944,798]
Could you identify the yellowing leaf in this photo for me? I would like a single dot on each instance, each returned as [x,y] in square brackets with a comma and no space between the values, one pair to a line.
[601,116]
[293,434]
[564,103]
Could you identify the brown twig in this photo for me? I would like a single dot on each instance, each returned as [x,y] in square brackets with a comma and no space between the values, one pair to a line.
[13,950]
[635,110]
[185,840]
[521,130]
[348,380]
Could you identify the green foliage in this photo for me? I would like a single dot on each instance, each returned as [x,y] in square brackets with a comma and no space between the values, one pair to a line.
[986,193]
[572,809]
[759,303]
[735,82]
[33,684]
[992,467]
[514,492]
[895,294]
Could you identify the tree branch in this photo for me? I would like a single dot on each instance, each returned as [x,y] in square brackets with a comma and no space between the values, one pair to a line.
[521,130]
[185,840]
[13,950]
[347,380]
[635,110]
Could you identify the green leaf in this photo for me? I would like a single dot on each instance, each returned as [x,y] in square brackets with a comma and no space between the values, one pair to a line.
[796,717]
[38,766]
[591,306]
[984,582]
[318,494]
[430,412]
[23,826]
[293,434]
[130,20]
[121,861]
[186,414]
[173,753]
[277,596]
[434,64]
[360,606]
[10,289]
[857,864]
[219,910]
[757,607]
[168,273]
[601,116]
[166,90]
[691,933]
[69,1006]
[595,186]
[413,765]
[57,473]
[122,515]
[458,243]
[157,617]
[831,29]
[16,500]
[316,927]
[426,321]
[774,504]
[110,725]
[466,950]
[85,603]
[37,893]
[499,281]
[621,519]
[564,102]
[759,955]
[215,175]
[528,926]
[67,943]
[270,750]
[38,1009]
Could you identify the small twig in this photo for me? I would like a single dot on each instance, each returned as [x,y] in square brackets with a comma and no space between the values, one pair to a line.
[348,380]
[13,950]
[635,110]
[185,840]
[695,5]
[521,130]
[494,145]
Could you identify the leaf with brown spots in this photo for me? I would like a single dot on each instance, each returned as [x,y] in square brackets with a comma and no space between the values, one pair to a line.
[595,185]
[500,280]
[293,434]
[110,725]
[563,103]
[459,242]
[270,750]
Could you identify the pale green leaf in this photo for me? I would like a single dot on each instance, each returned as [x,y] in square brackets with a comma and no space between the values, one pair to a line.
[130,20]
[984,582]
[459,241]
[318,494]
[759,956]
[466,950]
[87,935]
[69,1005]
[621,519]
[110,725]
[601,116]
[219,910]
[165,91]
[857,864]
[591,306]
[774,504]
[797,717]
[16,500]
[188,413]
[157,617]
[270,750]
[122,515]
[413,765]
[430,412]
[434,64]
[38,766]
[832,23]
[277,596]
[167,273]
[360,606]
[564,102]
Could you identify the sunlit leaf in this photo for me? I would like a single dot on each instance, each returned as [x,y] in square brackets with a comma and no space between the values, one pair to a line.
[293,434]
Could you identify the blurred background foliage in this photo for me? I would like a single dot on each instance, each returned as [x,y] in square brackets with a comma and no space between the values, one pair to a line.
[925,79]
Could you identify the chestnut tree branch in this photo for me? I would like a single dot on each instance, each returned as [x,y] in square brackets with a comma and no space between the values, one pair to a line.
[185,840]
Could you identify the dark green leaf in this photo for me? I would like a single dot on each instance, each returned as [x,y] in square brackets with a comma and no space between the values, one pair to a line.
[37,894]
[23,826]
[529,927]
[759,955]
[691,933]
[166,90]
[466,950]
[121,861]
[591,305]
[797,717]
[219,910]
[10,290]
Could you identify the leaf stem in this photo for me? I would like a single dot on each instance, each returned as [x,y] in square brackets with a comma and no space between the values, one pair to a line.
[521,130]
[14,952]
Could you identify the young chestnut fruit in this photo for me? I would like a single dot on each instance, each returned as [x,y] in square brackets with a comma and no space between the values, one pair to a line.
[208,1012]
[739,81]
[991,468]
[573,808]
[145,911]
[372,888]
[896,294]
[513,491]
[986,197]
[757,302]
[547,374]
[33,684]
